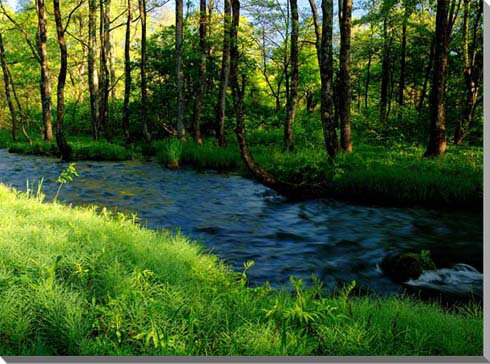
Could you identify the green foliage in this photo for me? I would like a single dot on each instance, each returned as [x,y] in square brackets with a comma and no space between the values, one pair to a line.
[168,151]
[80,282]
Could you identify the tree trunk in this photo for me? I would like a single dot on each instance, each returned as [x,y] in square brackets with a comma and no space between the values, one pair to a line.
[368,80]
[24,117]
[6,80]
[437,132]
[45,83]
[326,78]
[209,50]
[104,71]
[427,76]
[293,91]
[144,112]
[261,175]
[224,77]
[345,92]
[127,73]
[179,17]
[385,72]
[472,71]
[63,146]
[111,57]
[92,34]
[401,84]
[202,73]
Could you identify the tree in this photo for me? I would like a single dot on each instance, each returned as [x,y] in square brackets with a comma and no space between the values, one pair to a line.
[104,69]
[293,91]
[127,71]
[386,59]
[179,17]
[323,45]
[202,72]
[144,116]
[345,20]
[437,132]
[6,81]
[224,76]
[45,83]
[92,38]
[473,68]
[63,146]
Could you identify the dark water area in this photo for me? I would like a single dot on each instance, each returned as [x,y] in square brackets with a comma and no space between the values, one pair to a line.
[240,220]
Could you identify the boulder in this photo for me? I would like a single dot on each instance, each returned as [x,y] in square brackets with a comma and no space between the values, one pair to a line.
[401,268]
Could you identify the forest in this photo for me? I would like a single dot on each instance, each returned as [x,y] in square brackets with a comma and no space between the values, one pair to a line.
[188,146]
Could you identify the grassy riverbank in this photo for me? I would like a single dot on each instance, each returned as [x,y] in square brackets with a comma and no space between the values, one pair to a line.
[79,282]
[393,175]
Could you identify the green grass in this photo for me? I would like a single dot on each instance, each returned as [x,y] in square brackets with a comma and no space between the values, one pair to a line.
[394,175]
[81,282]
[83,149]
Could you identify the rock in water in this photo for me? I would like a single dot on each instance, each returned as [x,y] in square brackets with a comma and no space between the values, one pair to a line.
[401,268]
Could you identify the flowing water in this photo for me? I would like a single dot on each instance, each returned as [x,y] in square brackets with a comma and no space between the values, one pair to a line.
[240,220]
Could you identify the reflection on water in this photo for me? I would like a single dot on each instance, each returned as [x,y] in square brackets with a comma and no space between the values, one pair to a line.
[240,220]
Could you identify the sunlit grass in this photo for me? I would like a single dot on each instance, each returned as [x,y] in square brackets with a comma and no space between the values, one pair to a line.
[81,282]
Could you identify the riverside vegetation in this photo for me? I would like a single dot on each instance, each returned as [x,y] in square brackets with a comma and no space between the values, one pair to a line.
[83,281]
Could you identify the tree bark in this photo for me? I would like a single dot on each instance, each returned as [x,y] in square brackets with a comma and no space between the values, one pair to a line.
[345,91]
[23,116]
[368,80]
[401,84]
[385,72]
[92,35]
[63,146]
[202,73]
[144,112]
[428,69]
[437,132]
[127,72]
[224,76]
[326,78]
[472,71]
[6,80]
[45,83]
[104,71]
[293,89]
[179,17]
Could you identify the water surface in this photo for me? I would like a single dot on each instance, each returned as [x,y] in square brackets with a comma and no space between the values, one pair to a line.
[240,220]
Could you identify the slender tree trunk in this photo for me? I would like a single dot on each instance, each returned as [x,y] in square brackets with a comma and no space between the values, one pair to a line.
[401,85]
[23,116]
[326,77]
[209,48]
[63,146]
[437,132]
[104,71]
[260,174]
[202,73]
[144,112]
[472,71]
[92,35]
[385,72]
[111,57]
[345,91]
[368,80]
[293,91]
[179,17]
[127,72]
[427,76]
[45,84]
[224,77]
[6,80]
